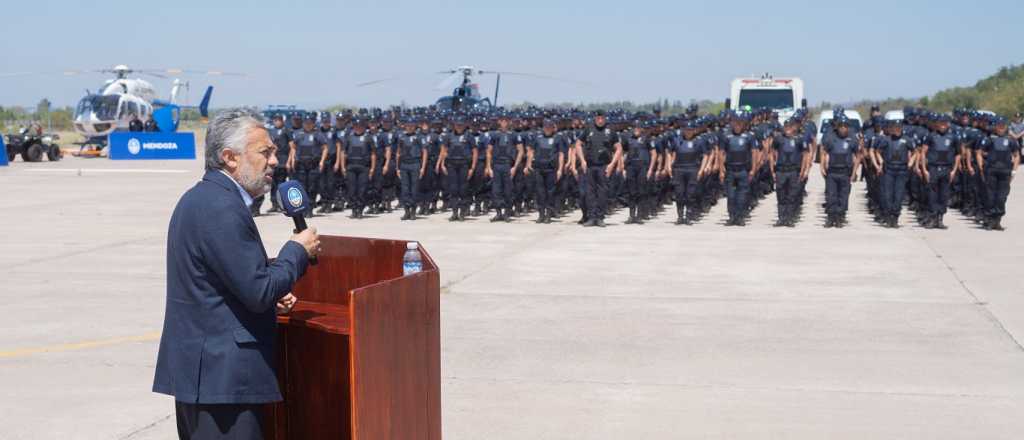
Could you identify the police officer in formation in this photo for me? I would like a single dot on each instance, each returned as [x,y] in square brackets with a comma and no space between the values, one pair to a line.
[640,161]
[504,154]
[787,163]
[840,160]
[998,158]
[308,156]
[939,163]
[892,155]
[281,137]
[545,161]
[411,156]
[457,163]
[552,162]
[329,172]
[357,152]
[598,151]
[742,159]
[688,161]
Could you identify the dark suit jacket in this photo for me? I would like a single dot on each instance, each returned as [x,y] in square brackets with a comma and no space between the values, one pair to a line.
[217,344]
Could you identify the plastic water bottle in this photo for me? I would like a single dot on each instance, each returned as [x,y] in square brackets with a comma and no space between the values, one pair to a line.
[411,261]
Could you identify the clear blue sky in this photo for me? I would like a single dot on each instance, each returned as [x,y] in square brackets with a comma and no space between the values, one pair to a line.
[313,54]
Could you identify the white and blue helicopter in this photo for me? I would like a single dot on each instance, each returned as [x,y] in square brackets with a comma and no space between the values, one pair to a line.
[121,99]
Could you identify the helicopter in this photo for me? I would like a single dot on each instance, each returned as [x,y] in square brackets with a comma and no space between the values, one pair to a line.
[121,99]
[466,95]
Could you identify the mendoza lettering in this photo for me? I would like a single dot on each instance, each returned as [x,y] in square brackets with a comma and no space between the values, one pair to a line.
[142,146]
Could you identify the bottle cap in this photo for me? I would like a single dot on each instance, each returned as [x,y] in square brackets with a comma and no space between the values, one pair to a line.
[412,245]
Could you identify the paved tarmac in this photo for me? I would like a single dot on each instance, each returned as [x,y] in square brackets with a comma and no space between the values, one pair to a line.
[555,331]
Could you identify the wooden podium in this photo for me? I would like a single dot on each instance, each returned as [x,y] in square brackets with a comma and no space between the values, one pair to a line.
[359,357]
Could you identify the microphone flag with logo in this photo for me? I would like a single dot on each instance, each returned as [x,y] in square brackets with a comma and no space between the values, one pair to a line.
[292,196]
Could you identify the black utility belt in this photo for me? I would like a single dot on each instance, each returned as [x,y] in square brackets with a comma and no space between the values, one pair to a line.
[840,170]
[787,168]
[639,163]
[735,168]
[357,164]
[895,167]
[687,167]
[931,167]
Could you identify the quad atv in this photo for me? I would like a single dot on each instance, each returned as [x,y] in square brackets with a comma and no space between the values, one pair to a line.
[33,145]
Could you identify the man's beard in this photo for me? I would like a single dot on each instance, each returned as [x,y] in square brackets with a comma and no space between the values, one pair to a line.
[251,181]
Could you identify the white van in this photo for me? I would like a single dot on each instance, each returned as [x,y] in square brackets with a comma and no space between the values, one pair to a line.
[783,95]
[894,115]
[825,122]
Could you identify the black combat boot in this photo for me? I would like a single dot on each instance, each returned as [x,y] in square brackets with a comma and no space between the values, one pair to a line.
[497,216]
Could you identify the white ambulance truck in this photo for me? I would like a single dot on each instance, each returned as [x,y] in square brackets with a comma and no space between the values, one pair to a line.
[783,95]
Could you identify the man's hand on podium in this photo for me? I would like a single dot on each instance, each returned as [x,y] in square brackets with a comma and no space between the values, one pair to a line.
[286,303]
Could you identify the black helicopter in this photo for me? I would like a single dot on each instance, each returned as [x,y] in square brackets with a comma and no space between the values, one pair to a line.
[466,95]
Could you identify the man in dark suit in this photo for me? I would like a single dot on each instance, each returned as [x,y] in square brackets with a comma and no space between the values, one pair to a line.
[217,348]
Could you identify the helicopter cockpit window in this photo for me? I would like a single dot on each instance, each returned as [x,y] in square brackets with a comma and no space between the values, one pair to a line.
[104,106]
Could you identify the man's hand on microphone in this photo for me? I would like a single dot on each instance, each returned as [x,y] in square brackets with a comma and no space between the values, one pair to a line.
[310,240]
[285,304]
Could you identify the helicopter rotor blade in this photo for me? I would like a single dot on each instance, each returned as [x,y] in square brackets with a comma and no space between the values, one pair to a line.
[533,75]
[65,73]
[179,72]
[158,75]
[5,75]
[449,81]
[377,81]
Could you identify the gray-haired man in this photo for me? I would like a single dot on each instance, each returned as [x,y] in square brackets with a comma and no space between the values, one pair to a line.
[222,292]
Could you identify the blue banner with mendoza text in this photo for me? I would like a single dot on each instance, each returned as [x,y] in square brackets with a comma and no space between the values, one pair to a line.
[3,150]
[151,145]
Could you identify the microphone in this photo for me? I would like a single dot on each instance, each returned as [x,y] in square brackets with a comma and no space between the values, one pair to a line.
[293,198]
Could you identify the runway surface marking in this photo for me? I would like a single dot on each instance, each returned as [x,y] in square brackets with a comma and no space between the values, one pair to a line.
[145,337]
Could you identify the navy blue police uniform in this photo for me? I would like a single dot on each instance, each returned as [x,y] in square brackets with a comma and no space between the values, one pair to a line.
[841,152]
[895,152]
[546,153]
[409,152]
[999,153]
[598,150]
[458,163]
[360,152]
[688,156]
[739,162]
[789,158]
[504,149]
